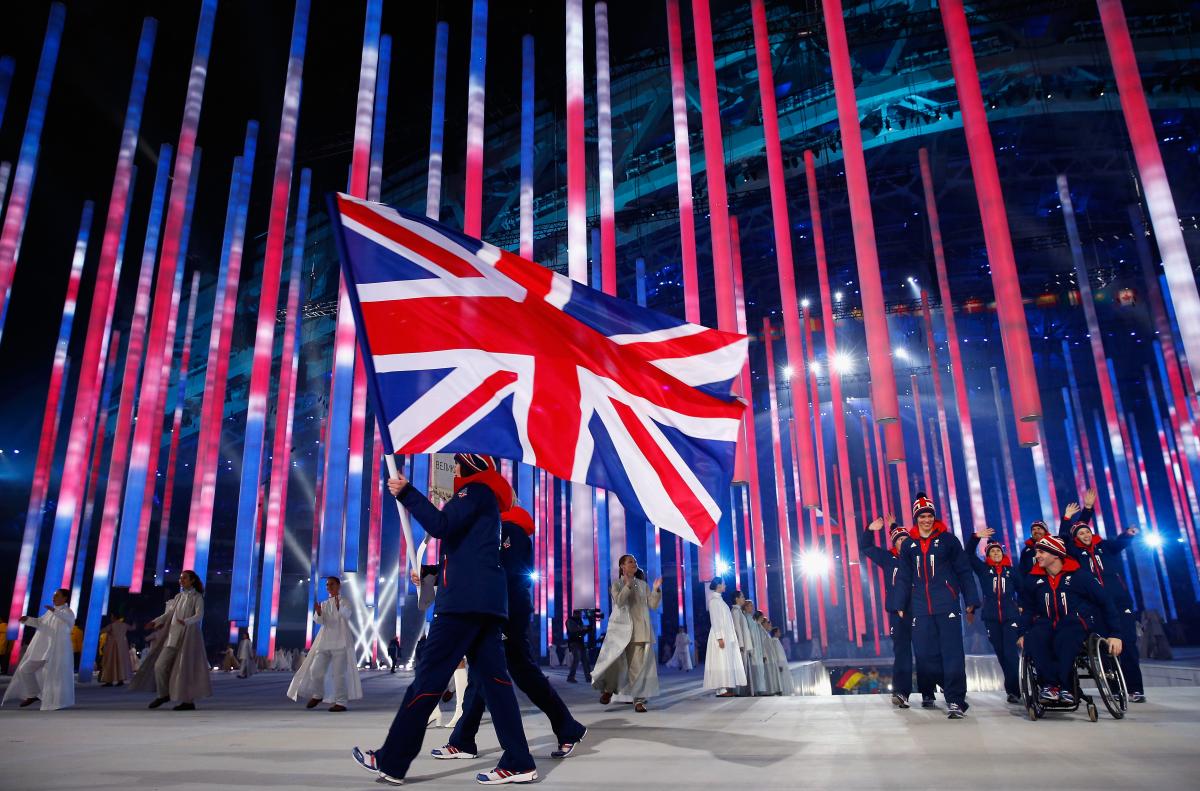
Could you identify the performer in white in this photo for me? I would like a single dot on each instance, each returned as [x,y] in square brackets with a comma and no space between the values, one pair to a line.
[741,628]
[45,671]
[627,662]
[682,657]
[332,653]
[787,684]
[723,667]
[247,661]
[177,668]
[755,656]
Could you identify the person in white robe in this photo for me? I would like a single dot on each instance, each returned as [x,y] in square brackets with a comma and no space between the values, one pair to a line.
[755,655]
[724,670]
[682,656]
[770,666]
[741,626]
[332,655]
[135,661]
[115,668]
[247,661]
[177,668]
[627,663]
[46,670]
[787,684]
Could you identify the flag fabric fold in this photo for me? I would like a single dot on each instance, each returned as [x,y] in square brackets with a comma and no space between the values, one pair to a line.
[473,349]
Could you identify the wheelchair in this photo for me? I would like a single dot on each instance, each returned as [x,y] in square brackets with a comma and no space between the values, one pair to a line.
[1093,663]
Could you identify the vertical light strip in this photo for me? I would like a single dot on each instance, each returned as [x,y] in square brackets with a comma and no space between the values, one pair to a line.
[1153,176]
[608,229]
[18,202]
[281,452]
[1077,468]
[51,414]
[758,533]
[351,541]
[1010,310]
[935,370]
[683,166]
[90,362]
[437,125]
[264,337]
[1014,505]
[938,464]
[1145,565]
[884,401]
[1188,488]
[582,556]
[802,540]
[7,66]
[783,524]
[927,478]
[1175,482]
[810,366]
[1042,451]
[164,519]
[783,245]
[216,375]
[97,455]
[379,123]
[5,172]
[318,498]
[653,535]
[142,539]
[862,502]
[158,345]
[837,402]
[476,81]
[527,128]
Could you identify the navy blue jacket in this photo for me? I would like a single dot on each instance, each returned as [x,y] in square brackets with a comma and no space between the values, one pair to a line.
[471,579]
[516,555]
[1101,558]
[1077,595]
[1000,585]
[880,557]
[933,573]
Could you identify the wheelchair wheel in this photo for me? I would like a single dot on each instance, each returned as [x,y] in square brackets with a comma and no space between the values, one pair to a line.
[1031,710]
[1092,712]
[1029,689]
[1106,674]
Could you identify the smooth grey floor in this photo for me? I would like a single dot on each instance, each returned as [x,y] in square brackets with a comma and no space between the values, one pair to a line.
[250,736]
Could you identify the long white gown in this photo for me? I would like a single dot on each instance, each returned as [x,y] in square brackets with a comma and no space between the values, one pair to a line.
[337,639]
[770,664]
[682,657]
[787,684]
[47,667]
[723,667]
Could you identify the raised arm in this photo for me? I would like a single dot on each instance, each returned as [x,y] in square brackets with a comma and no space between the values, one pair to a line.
[654,597]
[454,518]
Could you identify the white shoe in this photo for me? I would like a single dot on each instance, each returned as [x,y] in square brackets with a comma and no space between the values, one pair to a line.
[449,751]
[501,776]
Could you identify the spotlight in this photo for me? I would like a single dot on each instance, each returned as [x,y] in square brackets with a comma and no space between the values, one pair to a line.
[815,367]
[787,372]
[837,296]
[804,303]
[901,353]
[842,363]
[533,575]
[722,568]
[814,563]
[1154,540]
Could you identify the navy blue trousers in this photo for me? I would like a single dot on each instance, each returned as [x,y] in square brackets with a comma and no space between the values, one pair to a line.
[941,634]
[528,678]
[902,666]
[1131,665]
[1053,649]
[451,637]
[1003,637]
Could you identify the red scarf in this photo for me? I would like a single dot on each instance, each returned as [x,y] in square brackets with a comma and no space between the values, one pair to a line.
[492,480]
[1004,561]
[519,517]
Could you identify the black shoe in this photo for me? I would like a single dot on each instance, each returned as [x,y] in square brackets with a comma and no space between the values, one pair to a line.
[954,712]
[572,680]
[154,704]
[120,683]
[29,702]
[1137,697]
[928,703]
[185,707]
[312,703]
[899,702]
[1012,698]
[107,684]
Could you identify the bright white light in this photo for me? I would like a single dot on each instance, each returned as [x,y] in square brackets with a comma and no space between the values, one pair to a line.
[787,372]
[842,363]
[722,568]
[901,353]
[814,563]
[533,575]
[837,296]
[815,367]
[804,303]
[1154,540]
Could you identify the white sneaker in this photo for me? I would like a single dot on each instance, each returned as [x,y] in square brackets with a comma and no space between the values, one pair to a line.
[366,759]
[449,751]
[501,776]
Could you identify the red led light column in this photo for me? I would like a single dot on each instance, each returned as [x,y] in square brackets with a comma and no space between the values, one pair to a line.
[783,244]
[782,522]
[1014,333]
[884,401]
[1006,455]
[750,446]
[683,166]
[927,481]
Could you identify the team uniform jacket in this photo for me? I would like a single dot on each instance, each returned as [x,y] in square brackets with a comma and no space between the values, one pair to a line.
[1000,584]
[1101,558]
[932,573]
[1074,594]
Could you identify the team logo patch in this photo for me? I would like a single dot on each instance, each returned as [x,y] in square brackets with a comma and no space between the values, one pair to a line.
[462,493]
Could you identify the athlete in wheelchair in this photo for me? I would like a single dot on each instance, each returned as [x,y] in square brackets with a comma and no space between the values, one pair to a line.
[1065,614]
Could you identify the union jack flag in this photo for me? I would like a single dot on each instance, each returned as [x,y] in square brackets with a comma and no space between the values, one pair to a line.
[473,349]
